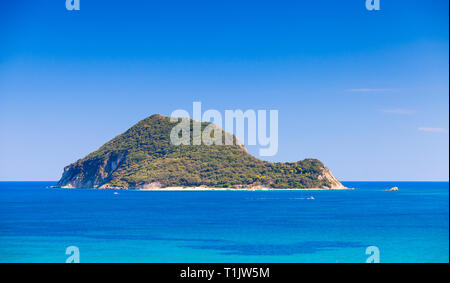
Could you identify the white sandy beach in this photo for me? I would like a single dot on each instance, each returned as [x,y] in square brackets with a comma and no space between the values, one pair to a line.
[202,189]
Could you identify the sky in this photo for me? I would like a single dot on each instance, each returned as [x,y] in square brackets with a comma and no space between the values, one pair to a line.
[366,92]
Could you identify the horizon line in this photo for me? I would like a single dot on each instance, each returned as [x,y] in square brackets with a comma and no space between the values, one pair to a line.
[400,181]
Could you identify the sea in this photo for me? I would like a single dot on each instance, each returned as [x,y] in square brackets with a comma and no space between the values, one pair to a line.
[367,224]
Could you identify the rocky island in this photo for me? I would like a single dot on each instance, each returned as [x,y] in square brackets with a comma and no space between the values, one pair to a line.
[144,158]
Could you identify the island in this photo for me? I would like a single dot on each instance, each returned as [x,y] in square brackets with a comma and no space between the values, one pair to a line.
[143,158]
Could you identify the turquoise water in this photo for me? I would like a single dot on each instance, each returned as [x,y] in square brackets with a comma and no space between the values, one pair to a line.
[412,225]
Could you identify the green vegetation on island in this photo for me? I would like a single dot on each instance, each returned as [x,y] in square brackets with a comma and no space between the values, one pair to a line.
[144,155]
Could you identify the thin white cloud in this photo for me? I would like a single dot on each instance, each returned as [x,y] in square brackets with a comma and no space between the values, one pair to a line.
[399,111]
[432,130]
[365,90]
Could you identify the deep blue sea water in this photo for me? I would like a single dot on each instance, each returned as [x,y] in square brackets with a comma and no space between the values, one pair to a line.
[38,224]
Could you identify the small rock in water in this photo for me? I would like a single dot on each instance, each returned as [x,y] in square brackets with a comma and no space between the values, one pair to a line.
[394,189]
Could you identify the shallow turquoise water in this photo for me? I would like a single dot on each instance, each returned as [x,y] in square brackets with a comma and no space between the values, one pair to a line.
[412,225]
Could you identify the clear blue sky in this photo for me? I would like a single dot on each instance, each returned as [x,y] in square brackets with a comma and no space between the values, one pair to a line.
[365,92]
